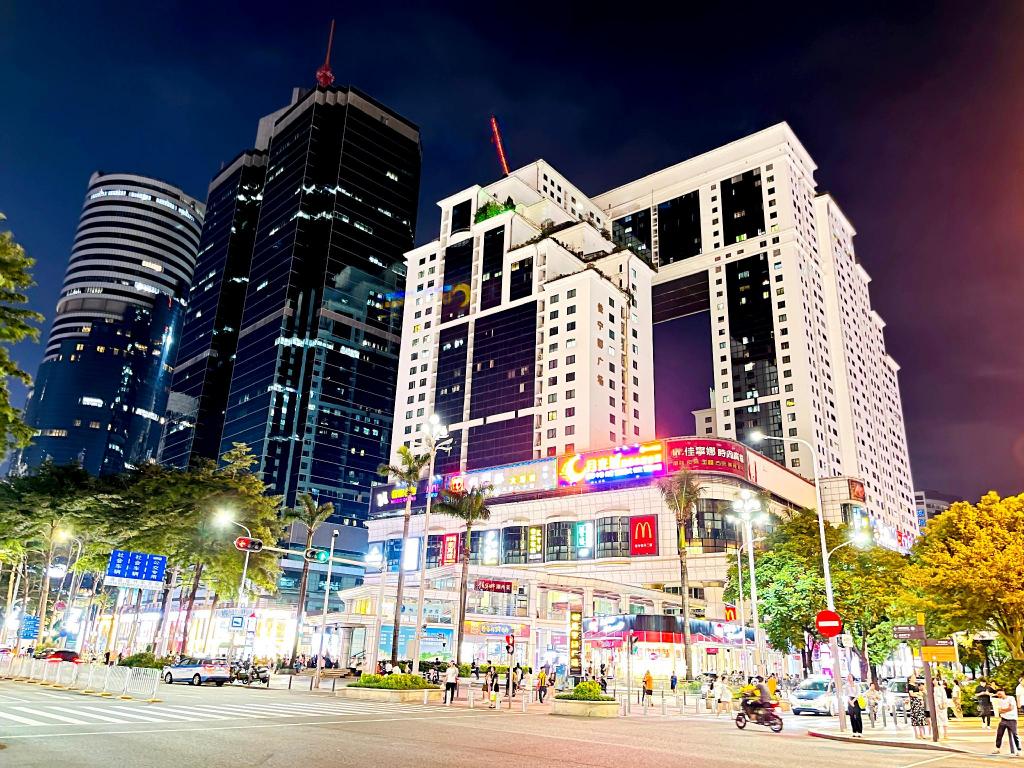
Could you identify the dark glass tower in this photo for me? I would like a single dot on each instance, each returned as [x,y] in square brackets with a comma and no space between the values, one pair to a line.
[313,386]
[209,336]
[101,391]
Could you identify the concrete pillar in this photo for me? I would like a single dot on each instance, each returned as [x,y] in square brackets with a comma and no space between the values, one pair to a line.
[624,603]
[588,601]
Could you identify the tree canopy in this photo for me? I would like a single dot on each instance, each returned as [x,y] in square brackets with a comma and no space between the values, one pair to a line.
[968,568]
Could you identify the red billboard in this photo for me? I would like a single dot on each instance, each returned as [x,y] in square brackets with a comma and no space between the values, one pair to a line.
[699,454]
[643,535]
[450,549]
[856,490]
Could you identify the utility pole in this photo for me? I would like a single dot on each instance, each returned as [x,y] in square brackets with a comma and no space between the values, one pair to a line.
[323,615]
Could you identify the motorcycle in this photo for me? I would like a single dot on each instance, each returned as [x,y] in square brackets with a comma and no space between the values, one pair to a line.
[753,712]
[247,674]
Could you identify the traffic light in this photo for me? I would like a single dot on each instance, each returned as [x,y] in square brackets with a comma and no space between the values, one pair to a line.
[510,644]
[246,544]
[633,640]
[315,555]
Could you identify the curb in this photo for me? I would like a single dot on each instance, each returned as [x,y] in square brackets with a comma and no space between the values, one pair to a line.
[884,743]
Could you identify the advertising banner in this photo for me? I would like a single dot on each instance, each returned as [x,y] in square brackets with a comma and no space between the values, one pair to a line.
[626,462]
[575,642]
[706,455]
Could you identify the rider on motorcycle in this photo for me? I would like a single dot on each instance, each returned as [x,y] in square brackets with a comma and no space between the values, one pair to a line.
[763,703]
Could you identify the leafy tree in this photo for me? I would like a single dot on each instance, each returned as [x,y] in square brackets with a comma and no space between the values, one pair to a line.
[408,471]
[681,491]
[968,567]
[312,515]
[16,324]
[470,507]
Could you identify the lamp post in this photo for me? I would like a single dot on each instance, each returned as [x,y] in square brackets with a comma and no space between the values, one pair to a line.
[323,614]
[743,612]
[224,519]
[748,511]
[833,643]
[76,582]
[436,439]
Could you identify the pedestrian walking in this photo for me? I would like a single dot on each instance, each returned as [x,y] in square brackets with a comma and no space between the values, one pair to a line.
[495,687]
[1007,710]
[451,681]
[721,695]
[957,700]
[673,681]
[1018,694]
[649,688]
[983,694]
[475,669]
[874,700]
[853,711]
[773,683]
[941,708]
[542,684]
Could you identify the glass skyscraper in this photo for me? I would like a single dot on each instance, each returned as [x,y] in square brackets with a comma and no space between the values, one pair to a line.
[316,337]
[102,388]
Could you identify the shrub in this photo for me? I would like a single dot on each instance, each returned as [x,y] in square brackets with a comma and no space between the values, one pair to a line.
[146,659]
[1006,675]
[588,690]
[393,682]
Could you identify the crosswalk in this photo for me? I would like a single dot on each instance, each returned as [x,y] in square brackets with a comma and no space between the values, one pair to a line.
[36,708]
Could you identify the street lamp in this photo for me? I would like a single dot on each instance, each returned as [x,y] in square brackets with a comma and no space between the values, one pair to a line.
[323,615]
[743,613]
[747,511]
[833,643]
[437,439]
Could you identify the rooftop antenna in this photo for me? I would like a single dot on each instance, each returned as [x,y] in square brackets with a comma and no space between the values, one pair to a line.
[324,75]
[496,140]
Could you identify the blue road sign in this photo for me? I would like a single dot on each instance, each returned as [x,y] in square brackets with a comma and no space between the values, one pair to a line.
[29,627]
[135,569]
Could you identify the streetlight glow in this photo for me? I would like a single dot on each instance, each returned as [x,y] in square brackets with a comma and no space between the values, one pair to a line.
[223,518]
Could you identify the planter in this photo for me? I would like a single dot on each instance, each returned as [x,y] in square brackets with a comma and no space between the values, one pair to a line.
[575,708]
[386,694]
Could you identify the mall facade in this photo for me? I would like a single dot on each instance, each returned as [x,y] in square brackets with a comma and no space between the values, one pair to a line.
[580,542]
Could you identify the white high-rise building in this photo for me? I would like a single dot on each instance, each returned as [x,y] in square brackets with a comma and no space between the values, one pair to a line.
[742,234]
[526,329]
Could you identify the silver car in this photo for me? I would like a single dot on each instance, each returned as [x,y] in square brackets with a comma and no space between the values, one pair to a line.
[196,671]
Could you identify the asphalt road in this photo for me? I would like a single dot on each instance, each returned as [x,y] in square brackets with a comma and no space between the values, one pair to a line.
[235,727]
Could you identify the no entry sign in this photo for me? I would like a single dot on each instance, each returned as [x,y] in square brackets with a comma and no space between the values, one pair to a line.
[828,623]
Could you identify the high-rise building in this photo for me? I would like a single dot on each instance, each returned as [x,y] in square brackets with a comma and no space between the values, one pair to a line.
[750,257]
[931,503]
[209,336]
[313,381]
[527,330]
[102,388]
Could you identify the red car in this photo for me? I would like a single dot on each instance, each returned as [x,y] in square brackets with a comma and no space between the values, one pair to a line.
[59,654]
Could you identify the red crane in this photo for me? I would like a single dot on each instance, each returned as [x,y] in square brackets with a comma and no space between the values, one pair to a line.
[496,140]
[324,75]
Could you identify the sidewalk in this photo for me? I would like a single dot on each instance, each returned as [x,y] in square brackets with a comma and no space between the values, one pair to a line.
[965,736]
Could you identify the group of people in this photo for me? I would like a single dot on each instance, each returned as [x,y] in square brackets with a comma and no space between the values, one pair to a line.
[993,701]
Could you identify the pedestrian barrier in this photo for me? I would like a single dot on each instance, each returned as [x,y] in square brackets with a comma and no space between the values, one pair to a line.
[140,682]
[67,675]
[19,667]
[91,677]
[50,672]
[114,680]
[5,664]
[36,670]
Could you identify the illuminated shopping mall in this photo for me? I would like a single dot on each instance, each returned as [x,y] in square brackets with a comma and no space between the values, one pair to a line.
[588,533]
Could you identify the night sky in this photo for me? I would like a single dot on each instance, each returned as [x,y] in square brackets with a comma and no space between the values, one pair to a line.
[914,118]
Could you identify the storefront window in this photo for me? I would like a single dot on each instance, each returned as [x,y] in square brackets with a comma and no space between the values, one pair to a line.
[714,532]
[433,551]
[513,544]
[613,536]
[476,542]
[560,545]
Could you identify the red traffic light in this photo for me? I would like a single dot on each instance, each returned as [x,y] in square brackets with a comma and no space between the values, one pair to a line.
[246,544]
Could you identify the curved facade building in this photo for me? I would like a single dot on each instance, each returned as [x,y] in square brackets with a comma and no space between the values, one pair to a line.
[102,388]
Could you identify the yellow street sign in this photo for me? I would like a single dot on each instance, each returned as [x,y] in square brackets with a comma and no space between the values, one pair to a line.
[938,653]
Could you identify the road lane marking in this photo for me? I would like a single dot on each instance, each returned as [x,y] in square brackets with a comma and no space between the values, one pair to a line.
[313,723]
[90,713]
[22,720]
[62,718]
[132,715]
[231,711]
[933,760]
[184,711]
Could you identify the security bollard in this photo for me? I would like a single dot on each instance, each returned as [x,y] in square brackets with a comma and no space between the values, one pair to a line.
[425,695]
[334,684]
[290,681]
[470,698]
[524,704]
[664,711]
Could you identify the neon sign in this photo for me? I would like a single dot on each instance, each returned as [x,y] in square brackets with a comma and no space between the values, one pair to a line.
[707,455]
[449,548]
[643,535]
[514,478]
[584,540]
[625,463]
[491,549]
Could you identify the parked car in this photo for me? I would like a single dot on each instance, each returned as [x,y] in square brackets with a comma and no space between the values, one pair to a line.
[196,671]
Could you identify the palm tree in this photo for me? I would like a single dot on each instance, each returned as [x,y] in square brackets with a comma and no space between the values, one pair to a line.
[681,492]
[407,471]
[311,515]
[468,506]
